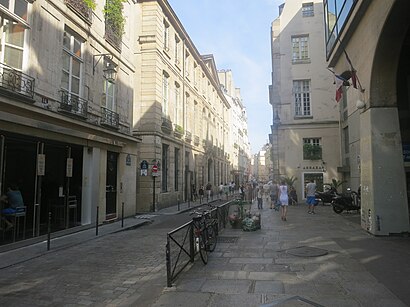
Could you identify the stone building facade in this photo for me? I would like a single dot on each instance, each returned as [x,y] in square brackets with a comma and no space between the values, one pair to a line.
[93,105]
[371,40]
[65,119]
[181,114]
[305,134]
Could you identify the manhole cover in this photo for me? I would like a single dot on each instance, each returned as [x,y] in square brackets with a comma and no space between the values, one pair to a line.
[307,251]
[222,239]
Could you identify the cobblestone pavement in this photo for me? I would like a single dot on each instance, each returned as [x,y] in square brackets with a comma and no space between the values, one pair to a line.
[280,265]
[125,268]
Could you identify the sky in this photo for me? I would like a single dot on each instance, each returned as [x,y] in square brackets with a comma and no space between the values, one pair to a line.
[237,33]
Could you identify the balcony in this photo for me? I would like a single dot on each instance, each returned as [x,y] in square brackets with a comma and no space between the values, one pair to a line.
[109,118]
[112,36]
[15,82]
[188,136]
[81,9]
[178,131]
[73,105]
[196,140]
[166,125]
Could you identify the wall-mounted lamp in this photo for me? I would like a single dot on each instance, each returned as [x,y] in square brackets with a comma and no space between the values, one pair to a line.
[360,104]
[109,71]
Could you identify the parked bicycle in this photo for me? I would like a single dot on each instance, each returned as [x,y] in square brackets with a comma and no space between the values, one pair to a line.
[205,230]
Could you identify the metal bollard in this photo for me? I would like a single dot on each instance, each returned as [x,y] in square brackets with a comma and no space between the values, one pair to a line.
[96,222]
[122,215]
[49,231]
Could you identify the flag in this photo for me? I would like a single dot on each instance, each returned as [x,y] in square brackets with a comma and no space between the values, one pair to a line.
[352,71]
[340,81]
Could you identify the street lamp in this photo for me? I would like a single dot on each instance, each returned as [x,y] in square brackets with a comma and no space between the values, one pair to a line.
[109,71]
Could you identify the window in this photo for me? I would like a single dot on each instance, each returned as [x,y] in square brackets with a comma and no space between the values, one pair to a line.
[164,173]
[337,13]
[166,36]
[301,91]
[12,38]
[177,104]
[307,9]
[72,60]
[177,54]
[108,98]
[176,170]
[165,93]
[312,149]
[300,48]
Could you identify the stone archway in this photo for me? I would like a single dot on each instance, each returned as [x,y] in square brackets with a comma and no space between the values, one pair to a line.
[384,199]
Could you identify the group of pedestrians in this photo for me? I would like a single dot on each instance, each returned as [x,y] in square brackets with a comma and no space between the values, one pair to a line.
[281,197]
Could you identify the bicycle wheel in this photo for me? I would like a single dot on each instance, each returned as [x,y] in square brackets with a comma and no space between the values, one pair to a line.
[203,249]
[212,230]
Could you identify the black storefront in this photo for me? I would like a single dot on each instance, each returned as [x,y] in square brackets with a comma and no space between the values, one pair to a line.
[49,175]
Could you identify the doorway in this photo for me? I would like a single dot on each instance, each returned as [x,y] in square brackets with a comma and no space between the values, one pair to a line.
[111,186]
[316,177]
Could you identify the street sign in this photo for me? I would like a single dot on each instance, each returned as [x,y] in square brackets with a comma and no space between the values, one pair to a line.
[154,170]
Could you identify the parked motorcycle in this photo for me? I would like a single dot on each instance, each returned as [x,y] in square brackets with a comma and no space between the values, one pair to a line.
[346,202]
[327,196]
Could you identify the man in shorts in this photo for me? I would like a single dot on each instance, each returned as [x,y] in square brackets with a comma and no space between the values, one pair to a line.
[310,196]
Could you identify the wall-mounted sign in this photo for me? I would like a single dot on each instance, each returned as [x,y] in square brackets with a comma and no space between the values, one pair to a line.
[69,167]
[128,160]
[144,168]
[41,164]
[406,152]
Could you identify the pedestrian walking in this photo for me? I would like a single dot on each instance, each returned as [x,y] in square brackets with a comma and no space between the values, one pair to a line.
[201,194]
[208,191]
[274,195]
[284,200]
[310,196]
[259,195]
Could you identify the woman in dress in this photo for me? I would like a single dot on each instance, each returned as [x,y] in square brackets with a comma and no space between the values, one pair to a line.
[284,200]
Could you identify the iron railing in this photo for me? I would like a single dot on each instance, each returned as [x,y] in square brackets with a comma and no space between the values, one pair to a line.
[180,249]
[73,105]
[15,81]
[110,118]
[81,9]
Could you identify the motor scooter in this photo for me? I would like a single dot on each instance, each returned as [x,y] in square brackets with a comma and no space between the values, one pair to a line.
[326,196]
[346,202]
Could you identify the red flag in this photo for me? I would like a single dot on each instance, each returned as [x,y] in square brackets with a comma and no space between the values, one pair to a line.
[340,81]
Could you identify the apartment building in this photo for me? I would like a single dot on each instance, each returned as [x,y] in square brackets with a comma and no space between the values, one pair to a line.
[181,114]
[368,43]
[305,123]
[238,147]
[66,91]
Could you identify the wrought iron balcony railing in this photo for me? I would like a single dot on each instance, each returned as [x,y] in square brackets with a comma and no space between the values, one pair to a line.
[79,7]
[112,36]
[196,140]
[188,136]
[110,118]
[15,81]
[73,105]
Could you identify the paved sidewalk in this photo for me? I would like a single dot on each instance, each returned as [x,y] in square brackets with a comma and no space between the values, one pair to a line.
[311,260]
[22,251]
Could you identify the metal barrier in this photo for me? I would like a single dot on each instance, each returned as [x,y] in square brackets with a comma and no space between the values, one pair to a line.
[180,249]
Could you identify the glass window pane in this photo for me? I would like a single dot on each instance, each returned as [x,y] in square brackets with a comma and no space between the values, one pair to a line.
[75,85]
[20,8]
[64,81]
[65,59]
[76,66]
[5,3]
[77,48]
[13,57]
[66,41]
[15,34]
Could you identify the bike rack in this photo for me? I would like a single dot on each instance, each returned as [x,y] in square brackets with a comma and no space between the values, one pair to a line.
[180,242]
